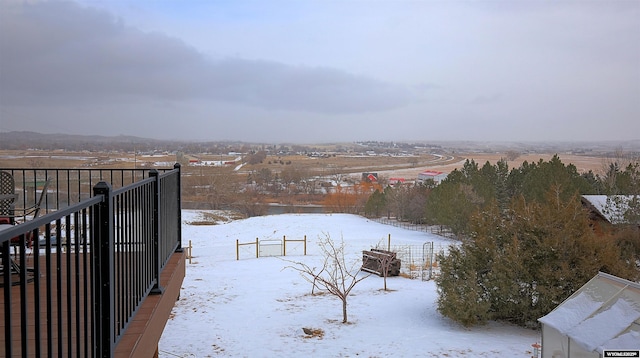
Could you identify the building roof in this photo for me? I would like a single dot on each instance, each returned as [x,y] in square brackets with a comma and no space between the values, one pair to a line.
[609,207]
[602,314]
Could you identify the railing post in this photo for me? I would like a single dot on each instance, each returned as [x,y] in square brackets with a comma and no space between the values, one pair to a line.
[103,249]
[179,208]
[6,273]
[156,289]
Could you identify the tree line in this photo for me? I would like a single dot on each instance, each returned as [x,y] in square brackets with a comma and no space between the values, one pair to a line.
[527,241]
[473,187]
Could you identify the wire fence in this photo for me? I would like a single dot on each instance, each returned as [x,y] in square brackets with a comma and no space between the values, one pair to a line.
[432,229]
[419,261]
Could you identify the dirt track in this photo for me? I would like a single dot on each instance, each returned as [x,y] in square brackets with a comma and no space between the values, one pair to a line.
[582,163]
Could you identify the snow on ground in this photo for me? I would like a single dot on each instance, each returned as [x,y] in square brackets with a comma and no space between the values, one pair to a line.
[258,307]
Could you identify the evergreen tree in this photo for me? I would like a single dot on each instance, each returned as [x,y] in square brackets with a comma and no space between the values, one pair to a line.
[466,191]
[469,169]
[449,204]
[459,295]
[375,204]
[595,187]
[534,180]
[525,261]
[501,188]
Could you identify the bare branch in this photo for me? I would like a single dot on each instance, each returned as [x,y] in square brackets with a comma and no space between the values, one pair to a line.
[335,276]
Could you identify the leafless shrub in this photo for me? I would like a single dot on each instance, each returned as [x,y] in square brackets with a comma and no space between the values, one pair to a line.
[335,276]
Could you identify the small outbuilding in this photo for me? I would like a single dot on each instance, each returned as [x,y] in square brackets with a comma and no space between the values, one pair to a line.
[434,175]
[604,314]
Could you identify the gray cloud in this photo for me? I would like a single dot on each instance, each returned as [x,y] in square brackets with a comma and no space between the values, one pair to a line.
[55,52]
[322,71]
[323,90]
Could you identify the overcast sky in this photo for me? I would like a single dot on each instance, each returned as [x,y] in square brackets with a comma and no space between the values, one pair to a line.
[308,71]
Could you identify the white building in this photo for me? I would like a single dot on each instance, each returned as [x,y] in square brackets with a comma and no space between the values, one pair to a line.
[434,175]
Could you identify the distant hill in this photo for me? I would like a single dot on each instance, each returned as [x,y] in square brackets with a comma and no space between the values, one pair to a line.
[34,140]
[22,140]
[11,137]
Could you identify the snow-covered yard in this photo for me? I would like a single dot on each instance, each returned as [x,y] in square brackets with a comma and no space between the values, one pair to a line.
[258,307]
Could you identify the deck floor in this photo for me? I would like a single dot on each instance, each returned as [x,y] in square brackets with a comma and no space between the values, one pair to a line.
[62,317]
[50,308]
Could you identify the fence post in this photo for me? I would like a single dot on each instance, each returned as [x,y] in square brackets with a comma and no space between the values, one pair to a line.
[103,249]
[156,289]
[6,274]
[431,262]
[305,245]
[257,248]
[284,245]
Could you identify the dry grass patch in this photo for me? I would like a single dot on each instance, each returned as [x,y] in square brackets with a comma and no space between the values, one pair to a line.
[202,223]
[313,333]
[213,218]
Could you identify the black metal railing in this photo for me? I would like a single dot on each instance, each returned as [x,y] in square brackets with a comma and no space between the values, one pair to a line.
[91,264]
[68,186]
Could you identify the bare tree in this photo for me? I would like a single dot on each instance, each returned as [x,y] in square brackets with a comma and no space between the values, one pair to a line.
[221,187]
[385,264]
[397,199]
[335,276]
[621,173]
[512,155]
[36,163]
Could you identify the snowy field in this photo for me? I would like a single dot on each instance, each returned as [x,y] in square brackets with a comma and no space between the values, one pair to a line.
[257,307]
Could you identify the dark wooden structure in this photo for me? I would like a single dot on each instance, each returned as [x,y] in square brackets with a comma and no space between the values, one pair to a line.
[377,261]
